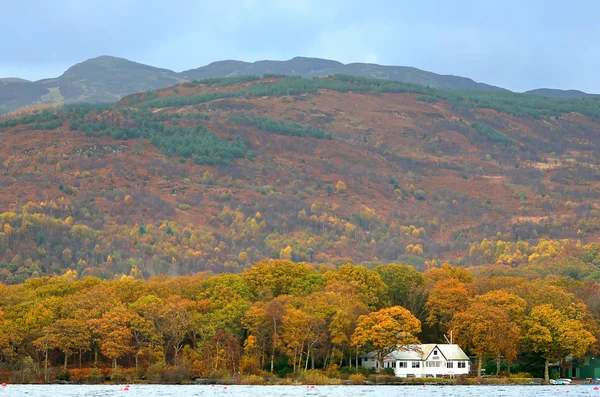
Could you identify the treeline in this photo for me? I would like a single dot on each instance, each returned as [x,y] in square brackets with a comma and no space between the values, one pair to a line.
[225,81]
[195,142]
[505,102]
[281,127]
[41,120]
[490,133]
[283,318]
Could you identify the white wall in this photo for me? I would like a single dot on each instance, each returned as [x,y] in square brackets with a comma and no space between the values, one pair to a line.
[425,371]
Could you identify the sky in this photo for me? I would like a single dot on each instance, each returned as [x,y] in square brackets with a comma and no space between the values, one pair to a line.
[519,45]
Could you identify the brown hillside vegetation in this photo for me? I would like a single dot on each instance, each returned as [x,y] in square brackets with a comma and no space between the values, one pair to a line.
[381,176]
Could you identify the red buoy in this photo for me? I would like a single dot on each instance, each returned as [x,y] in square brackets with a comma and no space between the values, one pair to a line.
[4,385]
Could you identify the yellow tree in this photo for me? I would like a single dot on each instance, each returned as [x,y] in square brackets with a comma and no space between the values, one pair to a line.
[486,330]
[386,330]
[143,333]
[554,335]
[300,331]
[67,335]
[445,299]
[446,272]
[115,333]
[515,308]
[373,291]
[263,321]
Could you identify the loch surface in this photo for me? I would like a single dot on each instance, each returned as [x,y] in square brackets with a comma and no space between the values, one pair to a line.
[294,391]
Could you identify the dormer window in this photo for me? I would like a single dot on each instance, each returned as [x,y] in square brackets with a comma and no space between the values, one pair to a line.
[435,352]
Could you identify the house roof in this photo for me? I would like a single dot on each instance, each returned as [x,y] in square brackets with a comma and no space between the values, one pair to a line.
[422,352]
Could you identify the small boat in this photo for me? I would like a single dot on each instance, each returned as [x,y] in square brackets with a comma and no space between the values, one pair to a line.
[562,381]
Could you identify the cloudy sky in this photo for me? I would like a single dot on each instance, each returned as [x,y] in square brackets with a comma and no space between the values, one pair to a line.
[516,44]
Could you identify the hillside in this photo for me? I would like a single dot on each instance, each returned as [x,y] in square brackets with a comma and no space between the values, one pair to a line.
[218,174]
[564,94]
[108,79]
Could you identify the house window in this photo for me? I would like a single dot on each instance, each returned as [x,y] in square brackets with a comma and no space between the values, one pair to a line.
[435,352]
[416,364]
[433,364]
[393,364]
[462,364]
[449,364]
[402,364]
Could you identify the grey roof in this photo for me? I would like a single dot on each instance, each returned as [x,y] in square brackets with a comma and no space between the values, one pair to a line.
[422,352]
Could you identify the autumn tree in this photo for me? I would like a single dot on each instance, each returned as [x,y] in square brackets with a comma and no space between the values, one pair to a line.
[386,330]
[486,330]
[67,335]
[366,282]
[552,334]
[271,278]
[115,333]
[406,287]
[447,298]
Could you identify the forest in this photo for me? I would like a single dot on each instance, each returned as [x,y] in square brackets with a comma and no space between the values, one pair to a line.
[281,319]
[505,102]
[260,230]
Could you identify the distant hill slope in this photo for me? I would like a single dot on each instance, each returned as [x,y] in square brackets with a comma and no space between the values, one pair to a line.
[108,79]
[316,67]
[15,94]
[562,94]
[216,175]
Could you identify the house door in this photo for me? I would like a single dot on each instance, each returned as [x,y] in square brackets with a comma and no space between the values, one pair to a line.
[573,372]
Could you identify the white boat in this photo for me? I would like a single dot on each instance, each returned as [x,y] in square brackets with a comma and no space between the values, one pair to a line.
[561,381]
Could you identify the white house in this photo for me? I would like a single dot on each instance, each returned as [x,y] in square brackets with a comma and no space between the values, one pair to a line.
[423,361]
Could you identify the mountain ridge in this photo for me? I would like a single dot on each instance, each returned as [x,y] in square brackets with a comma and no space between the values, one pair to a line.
[108,79]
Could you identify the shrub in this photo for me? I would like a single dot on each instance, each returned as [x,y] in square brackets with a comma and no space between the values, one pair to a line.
[117,376]
[95,376]
[253,380]
[521,375]
[175,374]
[419,194]
[357,379]
[426,98]
[64,376]
[382,379]
[314,377]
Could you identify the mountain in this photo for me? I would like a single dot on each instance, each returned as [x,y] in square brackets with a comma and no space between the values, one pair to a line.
[108,79]
[305,67]
[101,79]
[561,94]
[217,175]
[315,67]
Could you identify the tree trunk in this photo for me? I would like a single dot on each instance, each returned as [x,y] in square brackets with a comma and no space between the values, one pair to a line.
[46,365]
[80,354]
[114,363]
[498,365]
[66,358]
[273,348]
[479,359]
[546,374]
[136,360]
[312,360]
[95,357]
[508,368]
[307,357]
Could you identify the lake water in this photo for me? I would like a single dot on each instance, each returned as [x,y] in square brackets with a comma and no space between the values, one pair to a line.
[295,391]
